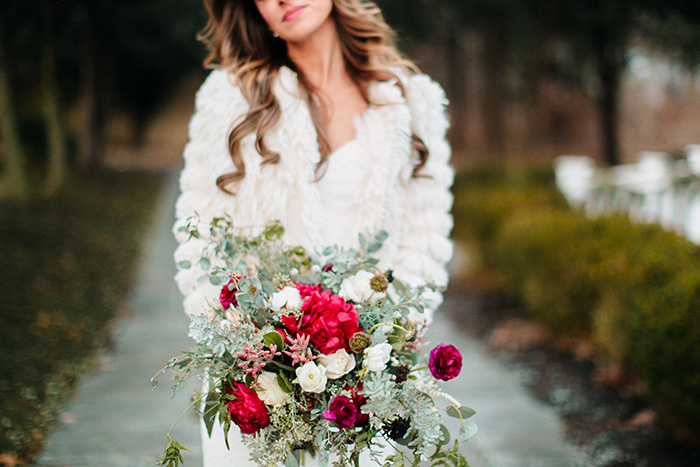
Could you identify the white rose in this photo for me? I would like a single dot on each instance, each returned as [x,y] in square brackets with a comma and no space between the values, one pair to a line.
[338,364]
[288,297]
[377,356]
[312,377]
[357,288]
[271,393]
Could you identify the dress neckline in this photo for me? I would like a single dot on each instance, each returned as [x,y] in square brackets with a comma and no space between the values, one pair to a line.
[344,146]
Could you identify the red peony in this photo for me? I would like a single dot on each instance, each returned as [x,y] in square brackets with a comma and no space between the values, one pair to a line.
[228,295]
[247,410]
[306,290]
[342,411]
[327,319]
[445,362]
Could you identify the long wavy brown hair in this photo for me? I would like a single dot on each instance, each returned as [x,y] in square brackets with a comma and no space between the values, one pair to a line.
[240,42]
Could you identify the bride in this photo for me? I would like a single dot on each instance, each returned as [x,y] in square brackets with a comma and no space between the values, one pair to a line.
[312,117]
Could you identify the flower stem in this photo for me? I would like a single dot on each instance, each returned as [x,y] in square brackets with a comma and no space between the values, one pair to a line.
[374,328]
[195,401]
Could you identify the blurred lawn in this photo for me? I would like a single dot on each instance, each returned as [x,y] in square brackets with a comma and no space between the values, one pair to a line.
[66,265]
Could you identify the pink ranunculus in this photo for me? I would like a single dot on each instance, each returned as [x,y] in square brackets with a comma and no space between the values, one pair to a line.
[327,319]
[247,410]
[228,295]
[445,362]
[342,411]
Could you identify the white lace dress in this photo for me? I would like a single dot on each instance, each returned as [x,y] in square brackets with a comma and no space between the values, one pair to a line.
[367,185]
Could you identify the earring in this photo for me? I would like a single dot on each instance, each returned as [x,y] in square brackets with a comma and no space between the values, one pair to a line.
[274,34]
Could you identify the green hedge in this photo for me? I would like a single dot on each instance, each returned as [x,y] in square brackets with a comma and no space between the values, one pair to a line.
[634,290]
[66,266]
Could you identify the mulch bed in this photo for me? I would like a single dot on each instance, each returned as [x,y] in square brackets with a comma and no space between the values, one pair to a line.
[603,415]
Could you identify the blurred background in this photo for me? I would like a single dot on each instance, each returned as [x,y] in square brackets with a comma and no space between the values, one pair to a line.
[95,97]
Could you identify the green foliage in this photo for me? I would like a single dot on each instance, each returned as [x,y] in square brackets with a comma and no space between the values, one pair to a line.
[558,262]
[633,289]
[487,196]
[172,457]
[647,320]
[65,267]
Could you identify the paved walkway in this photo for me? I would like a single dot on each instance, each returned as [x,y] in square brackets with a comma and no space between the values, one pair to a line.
[117,421]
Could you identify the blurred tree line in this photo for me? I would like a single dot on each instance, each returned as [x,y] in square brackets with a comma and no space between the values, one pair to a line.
[522,38]
[66,65]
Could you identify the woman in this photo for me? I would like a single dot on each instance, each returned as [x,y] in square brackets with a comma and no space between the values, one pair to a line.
[313,118]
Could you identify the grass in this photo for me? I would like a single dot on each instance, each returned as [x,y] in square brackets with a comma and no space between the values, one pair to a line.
[66,264]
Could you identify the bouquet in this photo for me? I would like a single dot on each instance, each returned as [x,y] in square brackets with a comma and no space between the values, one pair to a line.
[309,356]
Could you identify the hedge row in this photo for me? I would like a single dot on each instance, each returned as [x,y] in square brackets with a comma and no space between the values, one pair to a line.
[634,290]
[65,268]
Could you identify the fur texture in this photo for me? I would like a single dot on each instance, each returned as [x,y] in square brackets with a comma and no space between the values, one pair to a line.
[415,211]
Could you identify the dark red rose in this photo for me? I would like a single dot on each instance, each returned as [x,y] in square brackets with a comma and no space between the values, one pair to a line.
[359,400]
[342,411]
[328,267]
[228,295]
[327,319]
[306,290]
[445,362]
[247,410]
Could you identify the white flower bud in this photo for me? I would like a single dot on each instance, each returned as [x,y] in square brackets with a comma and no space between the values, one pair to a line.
[286,298]
[377,356]
[312,377]
[271,393]
[337,364]
[357,288]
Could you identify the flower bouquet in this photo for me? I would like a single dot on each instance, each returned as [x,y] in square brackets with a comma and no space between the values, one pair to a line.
[316,357]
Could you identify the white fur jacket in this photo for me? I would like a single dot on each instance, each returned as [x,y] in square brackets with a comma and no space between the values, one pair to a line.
[414,211]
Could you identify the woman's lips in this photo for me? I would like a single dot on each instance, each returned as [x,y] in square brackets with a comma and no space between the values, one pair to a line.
[292,13]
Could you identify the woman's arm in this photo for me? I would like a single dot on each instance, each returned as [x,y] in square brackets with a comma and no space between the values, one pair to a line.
[206,157]
[425,246]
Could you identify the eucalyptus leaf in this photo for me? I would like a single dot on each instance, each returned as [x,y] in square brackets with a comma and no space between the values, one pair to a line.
[462,412]
[362,240]
[467,430]
[204,263]
[374,247]
[445,435]
[184,264]
[291,460]
[381,236]
[216,280]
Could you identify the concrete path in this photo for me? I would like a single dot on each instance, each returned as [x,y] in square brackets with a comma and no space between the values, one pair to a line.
[116,421]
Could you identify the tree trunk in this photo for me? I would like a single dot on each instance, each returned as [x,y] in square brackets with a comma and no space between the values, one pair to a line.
[90,133]
[609,57]
[55,137]
[13,184]
[457,86]
[492,106]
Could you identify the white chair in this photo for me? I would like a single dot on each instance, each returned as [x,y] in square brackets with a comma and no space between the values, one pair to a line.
[573,176]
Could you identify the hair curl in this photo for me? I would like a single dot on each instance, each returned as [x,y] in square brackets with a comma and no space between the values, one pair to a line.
[240,42]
